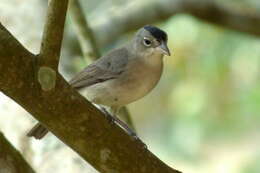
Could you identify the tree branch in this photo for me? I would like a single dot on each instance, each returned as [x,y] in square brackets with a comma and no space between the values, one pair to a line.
[11,160]
[53,33]
[84,33]
[70,116]
[140,13]
[51,44]
[224,15]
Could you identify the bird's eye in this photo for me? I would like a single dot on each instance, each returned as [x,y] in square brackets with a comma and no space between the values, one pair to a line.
[147,42]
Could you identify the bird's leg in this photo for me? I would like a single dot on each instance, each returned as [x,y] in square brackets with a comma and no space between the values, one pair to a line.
[109,117]
[129,131]
[112,118]
[125,127]
[115,111]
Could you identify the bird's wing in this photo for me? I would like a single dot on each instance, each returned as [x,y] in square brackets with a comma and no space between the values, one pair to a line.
[107,67]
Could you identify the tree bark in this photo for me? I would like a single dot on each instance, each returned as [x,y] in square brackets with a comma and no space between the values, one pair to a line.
[11,161]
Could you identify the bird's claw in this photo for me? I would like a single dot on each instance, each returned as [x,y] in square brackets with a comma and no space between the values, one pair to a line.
[108,116]
[112,119]
[136,138]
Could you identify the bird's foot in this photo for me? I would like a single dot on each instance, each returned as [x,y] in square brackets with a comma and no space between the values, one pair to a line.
[129,131]
[113,119]
[136,138]
[109,117]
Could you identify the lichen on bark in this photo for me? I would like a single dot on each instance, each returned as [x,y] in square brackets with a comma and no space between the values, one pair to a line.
[47,78]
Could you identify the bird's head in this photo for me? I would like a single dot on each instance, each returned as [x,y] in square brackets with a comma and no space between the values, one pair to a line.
[151,40]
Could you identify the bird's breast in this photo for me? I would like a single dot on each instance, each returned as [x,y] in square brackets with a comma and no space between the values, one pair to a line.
[137,80]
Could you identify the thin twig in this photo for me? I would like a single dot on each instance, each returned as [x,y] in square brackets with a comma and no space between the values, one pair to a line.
[84,33]
[126,116]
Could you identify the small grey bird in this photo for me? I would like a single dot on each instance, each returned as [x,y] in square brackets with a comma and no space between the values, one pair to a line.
[122,76]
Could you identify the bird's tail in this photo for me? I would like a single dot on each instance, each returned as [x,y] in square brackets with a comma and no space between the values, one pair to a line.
[38,131]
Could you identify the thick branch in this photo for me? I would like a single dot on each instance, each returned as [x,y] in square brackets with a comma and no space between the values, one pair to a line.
[53,33]
[83,31]
[11,160]
[139,13]
[71,117]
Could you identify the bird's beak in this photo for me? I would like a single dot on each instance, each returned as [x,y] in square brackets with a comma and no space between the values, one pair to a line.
[164,48]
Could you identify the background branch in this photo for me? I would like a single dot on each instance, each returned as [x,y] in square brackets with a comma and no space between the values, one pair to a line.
[142,13]
[126,117]
[11,161]
[84,33]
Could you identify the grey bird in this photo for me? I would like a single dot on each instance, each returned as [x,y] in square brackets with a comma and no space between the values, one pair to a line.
[123,75]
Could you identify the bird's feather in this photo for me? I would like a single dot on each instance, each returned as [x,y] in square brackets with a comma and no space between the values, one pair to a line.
[106,68]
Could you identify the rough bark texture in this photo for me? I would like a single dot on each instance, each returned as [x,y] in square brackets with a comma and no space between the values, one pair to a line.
[11,161]
[71,117]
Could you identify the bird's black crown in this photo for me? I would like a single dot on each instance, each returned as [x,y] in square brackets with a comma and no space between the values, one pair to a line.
[156,32]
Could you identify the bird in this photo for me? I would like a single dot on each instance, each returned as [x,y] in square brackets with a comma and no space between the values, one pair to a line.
[123,75]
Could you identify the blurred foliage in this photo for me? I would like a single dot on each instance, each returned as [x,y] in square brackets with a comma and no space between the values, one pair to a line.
[253,167]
